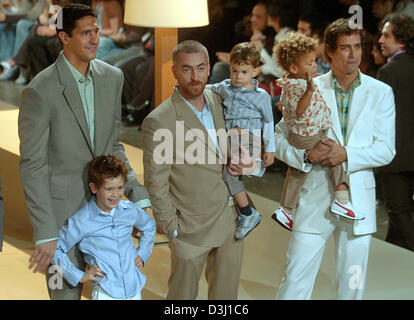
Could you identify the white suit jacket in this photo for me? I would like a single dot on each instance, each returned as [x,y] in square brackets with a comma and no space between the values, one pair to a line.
[370,143]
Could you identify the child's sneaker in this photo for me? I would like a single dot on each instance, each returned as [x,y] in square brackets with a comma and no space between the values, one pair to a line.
[283,218]
[345,210]
[245,224]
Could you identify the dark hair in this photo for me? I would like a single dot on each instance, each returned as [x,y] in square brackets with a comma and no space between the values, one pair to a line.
[69,15]
[285,11]
[245,53]
[317,23]
[334,30]
[106,166]
[402,27]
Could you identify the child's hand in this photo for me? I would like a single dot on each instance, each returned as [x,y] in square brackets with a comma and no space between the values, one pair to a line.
[310,85]
[268,158]
[91,274]
[138,262]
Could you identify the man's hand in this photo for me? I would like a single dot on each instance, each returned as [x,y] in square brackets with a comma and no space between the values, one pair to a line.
[335,156]
[268,158]
[138,262]
[318,151]
[42,256]
[91,274]
[241,165]
[2,17]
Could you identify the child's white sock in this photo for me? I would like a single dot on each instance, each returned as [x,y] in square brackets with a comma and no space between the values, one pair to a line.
[342,196]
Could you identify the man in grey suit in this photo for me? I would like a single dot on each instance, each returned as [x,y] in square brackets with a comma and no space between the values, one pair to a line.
[70,113]
[398,177]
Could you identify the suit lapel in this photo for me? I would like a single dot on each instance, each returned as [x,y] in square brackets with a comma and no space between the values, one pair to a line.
[103,119]
[72,96]
[328,94]
[191,121]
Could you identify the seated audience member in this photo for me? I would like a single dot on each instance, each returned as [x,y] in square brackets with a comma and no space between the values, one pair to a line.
[110,19]
[313,25]
[15,25]
[283,19]
[138,91]
[131,40]
[261,34]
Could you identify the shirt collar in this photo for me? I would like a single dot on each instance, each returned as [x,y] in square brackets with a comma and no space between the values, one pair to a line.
[206,108]
[356,83]
[394,55]
[79,77]
[95,211]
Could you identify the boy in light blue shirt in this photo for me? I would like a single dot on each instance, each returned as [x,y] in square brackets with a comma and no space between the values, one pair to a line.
[102,230]
[249,118]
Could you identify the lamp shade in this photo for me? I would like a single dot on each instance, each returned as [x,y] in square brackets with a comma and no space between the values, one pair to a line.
[166,13]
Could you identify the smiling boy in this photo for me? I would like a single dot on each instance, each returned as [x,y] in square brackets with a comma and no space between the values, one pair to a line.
[102,231]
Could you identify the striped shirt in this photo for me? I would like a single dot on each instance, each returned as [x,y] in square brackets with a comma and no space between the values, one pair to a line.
[343,101]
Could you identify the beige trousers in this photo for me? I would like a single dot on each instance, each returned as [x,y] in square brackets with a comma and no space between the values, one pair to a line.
[295,178]
[223,269]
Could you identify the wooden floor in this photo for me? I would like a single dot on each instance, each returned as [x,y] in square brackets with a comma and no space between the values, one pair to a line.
[390,268]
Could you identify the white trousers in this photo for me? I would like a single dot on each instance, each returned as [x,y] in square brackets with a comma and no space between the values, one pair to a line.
[304,257]
[99,294]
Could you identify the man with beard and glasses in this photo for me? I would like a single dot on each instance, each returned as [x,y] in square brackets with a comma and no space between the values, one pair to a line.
[191,201]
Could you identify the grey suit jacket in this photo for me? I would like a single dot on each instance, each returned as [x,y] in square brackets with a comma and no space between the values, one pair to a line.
[399,74]
[55,146]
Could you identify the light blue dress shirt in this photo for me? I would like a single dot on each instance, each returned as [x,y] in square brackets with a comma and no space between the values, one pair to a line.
[105,240]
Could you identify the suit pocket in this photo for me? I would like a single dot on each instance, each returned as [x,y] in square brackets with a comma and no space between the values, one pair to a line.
[57,191]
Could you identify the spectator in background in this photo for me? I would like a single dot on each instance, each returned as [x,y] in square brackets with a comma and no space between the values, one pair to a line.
[398,177]
[313,25]
[282,17]
[261,34]
[380,8]
[110,19]
[379,59]
[15,28]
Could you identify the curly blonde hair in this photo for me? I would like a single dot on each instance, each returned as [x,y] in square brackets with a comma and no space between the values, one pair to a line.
[291,48]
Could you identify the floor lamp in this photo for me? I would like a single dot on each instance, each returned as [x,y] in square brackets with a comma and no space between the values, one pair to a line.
[165,16]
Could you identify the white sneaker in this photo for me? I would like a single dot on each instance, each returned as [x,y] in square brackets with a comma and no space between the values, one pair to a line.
[245,224]
[8,71]
[283,218]
[345,210]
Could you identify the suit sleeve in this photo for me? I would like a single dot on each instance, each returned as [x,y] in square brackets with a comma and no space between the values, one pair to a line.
[156,178]
[33,124]
[382,149]
[134,191]
[286,152]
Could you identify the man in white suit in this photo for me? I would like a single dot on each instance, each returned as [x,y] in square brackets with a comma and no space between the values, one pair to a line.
[362,138]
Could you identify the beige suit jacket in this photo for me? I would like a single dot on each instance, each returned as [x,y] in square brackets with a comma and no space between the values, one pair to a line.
[55,146]
[187,196]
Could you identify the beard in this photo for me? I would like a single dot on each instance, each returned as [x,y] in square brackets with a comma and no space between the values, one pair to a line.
[192,89]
